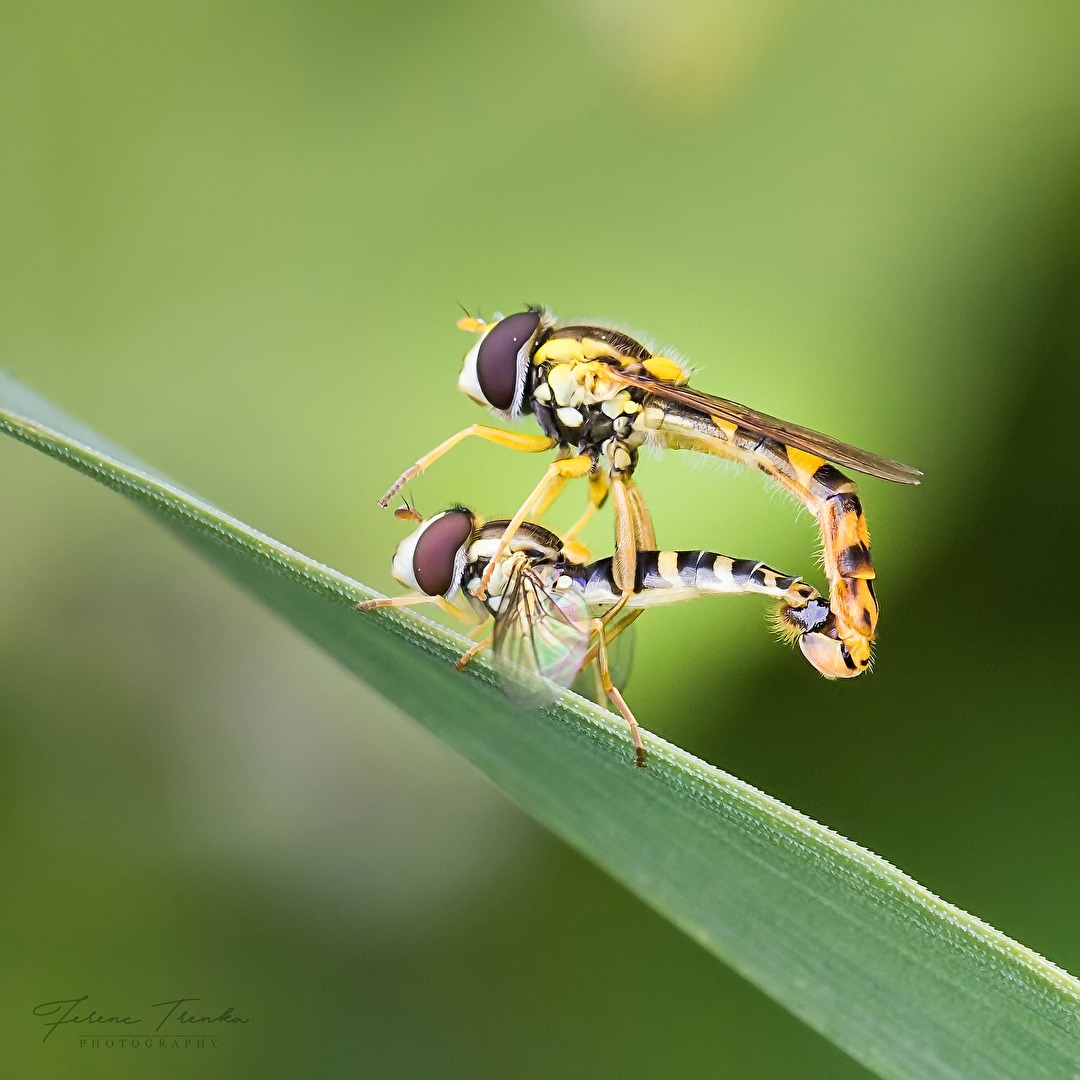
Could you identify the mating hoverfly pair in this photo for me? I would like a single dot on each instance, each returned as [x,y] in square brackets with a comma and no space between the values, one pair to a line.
[598,396]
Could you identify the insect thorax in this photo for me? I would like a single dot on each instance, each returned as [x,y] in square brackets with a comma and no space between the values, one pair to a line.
[583,410]
[540,548]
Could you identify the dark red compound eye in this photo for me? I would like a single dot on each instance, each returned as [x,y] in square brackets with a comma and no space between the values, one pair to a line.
[436,551]
[497,360]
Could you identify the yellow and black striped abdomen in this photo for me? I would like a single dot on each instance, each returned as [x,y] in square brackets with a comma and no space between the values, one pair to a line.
[665,577]
[831,496]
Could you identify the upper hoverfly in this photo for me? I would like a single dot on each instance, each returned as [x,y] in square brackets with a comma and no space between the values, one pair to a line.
[548,605]
[598,394]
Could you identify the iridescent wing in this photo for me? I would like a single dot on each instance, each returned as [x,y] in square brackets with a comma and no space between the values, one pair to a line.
[813,442]
[541,636]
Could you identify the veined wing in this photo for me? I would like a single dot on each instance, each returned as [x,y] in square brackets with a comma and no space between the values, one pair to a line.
[541,636]
[813,442]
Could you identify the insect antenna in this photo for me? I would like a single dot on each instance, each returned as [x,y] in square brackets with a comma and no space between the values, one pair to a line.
[406,512]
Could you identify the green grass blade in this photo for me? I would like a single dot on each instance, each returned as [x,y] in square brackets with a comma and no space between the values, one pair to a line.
[904,982]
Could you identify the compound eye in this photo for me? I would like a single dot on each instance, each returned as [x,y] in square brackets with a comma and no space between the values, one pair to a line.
[499,358]
[430,560]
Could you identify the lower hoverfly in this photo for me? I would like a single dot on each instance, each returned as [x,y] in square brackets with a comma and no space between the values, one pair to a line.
[548,606]
[598,395]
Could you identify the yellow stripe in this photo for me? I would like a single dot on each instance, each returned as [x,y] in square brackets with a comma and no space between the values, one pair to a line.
[665,369]
[722,568]
[559,350]
[726,426]
[591,348]
[805,464]
[668,566]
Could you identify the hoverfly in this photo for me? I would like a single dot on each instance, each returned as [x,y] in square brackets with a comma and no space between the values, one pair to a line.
[598,395]
[547,604]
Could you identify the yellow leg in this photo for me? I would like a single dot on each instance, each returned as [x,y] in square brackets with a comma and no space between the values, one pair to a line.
[412,600]
[462,616]
[615,608]
[598,693]
[646,536]
[558,473]
[633,533]
[576,552]
[624,624]
[397,601]
[624,561]
[581,522]
[613,693]
[554,489]
[611,631]
[512,440]
[469,655]
[599,486]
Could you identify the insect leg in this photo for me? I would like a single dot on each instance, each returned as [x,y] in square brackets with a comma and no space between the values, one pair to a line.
[513,440]
[455,612]
[613,693]
[554,489]
[633,533]
[412,600]
[624,560]
[397,601]
[557,474]
[421,598]
[477,629]
[646,534]
[469,655]
[576,552]
[599,487]
[611,633]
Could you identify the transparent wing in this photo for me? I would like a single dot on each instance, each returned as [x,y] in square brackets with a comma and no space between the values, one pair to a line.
[541,636]
[620,654]
[813,442]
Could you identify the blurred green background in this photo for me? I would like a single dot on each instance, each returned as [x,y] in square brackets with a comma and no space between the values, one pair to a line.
[234,237]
